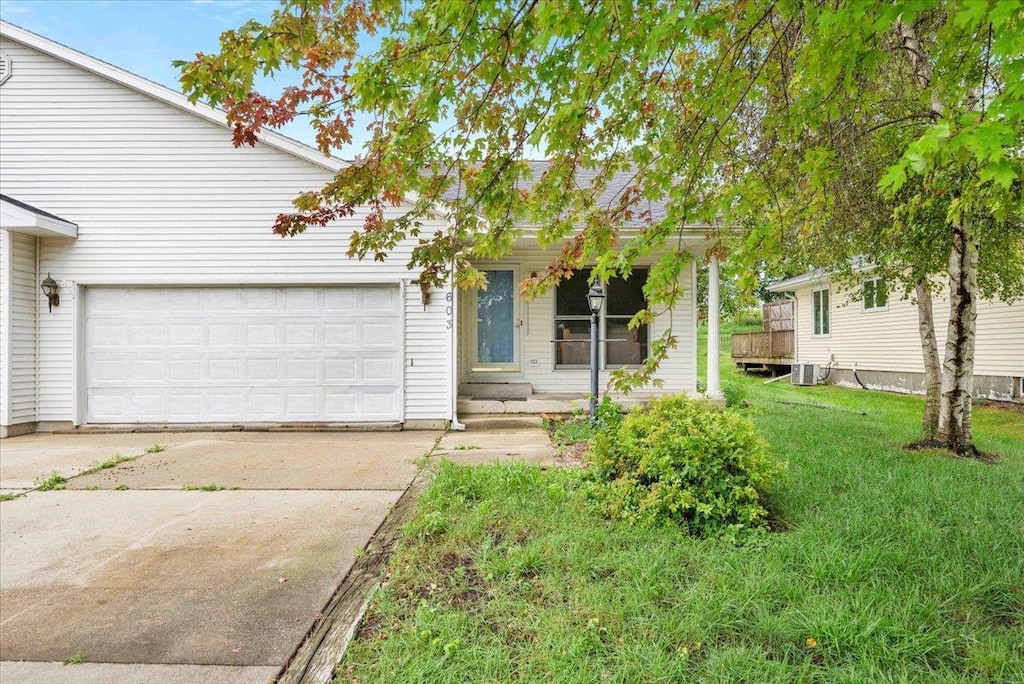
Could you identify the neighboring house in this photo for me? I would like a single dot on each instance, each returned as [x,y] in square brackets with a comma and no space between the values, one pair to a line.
[873,331]
[178,305]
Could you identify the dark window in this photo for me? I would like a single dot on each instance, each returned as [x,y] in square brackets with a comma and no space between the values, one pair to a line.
[626,298]
[572,321]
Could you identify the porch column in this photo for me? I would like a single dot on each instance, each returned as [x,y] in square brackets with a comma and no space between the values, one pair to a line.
[714,389]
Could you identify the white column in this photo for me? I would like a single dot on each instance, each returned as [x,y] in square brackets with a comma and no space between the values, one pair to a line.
[714,389]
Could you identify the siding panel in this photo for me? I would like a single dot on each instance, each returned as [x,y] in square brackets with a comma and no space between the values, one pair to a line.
[21,350]
[888,340]
[428,361]
[5,323]
[162,197]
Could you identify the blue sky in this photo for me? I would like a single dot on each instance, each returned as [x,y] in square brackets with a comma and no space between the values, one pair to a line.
[143,36]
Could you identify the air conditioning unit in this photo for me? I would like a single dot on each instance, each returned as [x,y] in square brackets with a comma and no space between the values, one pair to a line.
[805,374]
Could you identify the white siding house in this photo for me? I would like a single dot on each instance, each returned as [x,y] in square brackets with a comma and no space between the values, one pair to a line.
[877,335]
[178,305]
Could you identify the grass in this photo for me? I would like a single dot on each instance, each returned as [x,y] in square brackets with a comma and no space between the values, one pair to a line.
[76,659]
[565,433]
[155,449]
[11,496]
[894,566]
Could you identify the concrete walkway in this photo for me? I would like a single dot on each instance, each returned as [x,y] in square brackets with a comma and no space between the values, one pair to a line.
[141,572]
[528,444]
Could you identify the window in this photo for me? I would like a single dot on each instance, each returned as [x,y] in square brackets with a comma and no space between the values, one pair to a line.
[625,298]
[875,294]
[572,321]
[821,325]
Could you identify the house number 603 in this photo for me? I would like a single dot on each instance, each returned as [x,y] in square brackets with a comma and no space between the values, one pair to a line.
[448,297]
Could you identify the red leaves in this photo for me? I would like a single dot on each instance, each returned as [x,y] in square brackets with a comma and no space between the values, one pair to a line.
[288,225]
[249,116]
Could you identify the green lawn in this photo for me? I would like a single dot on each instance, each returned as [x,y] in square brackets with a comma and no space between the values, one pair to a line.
[895,567]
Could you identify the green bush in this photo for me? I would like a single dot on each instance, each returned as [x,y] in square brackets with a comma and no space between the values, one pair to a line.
[684,461]
[735,394]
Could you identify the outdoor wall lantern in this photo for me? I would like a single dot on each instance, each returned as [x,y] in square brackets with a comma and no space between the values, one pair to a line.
[52,291]
[595,299]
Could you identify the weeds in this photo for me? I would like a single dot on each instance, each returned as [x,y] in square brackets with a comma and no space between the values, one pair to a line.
[206,488]
[51,482]
[76,659]
[113,461]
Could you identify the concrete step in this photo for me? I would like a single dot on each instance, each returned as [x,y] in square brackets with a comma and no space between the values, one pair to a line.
[499,421]
[498,391]
[468,406]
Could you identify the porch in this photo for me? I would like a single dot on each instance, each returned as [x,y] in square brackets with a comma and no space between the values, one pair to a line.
[528,357]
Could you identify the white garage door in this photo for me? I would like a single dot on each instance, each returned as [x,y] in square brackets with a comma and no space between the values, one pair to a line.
[255,354]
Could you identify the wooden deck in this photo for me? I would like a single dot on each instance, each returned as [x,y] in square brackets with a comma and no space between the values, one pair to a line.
[775,347]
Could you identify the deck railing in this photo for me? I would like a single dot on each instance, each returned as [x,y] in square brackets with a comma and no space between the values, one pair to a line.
[763,345]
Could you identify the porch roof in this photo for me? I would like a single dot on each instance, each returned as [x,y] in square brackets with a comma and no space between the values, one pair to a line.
[20,217]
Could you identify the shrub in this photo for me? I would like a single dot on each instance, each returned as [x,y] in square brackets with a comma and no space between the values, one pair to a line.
[684,461]
[735,394]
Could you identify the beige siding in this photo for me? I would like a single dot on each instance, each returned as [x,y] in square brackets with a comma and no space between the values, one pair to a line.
[888,339]
[162,197]
[999,348]
[678,372]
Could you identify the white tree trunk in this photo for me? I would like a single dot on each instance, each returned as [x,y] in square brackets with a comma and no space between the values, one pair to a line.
[932,366]
[958,365]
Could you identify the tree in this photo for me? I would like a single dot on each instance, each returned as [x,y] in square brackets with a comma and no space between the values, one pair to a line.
[857,133]
[677,93]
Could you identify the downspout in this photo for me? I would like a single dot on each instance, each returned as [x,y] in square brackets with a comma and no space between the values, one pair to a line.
[453,317]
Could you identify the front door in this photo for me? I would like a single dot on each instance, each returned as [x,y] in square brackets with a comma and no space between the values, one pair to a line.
[497,323]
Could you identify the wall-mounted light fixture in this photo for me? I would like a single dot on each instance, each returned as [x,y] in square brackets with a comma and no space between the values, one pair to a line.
[52,291]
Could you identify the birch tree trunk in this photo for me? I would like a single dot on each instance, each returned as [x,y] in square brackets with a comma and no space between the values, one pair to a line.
[958,365]
[932,367]
[957,386]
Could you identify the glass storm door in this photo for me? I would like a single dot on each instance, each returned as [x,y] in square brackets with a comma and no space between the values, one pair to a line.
[497,325]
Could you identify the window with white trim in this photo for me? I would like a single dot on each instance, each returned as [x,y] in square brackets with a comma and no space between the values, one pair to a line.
[572,321]
[624,299]
[625,346]
[874,294]
[820,312]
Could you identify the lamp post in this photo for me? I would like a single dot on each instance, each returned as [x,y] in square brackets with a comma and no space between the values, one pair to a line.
[595,299]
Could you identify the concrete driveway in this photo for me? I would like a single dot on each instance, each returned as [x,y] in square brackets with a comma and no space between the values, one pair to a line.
[206,560]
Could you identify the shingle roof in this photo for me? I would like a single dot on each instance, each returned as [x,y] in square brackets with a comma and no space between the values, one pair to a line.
[35,210]
[584,178]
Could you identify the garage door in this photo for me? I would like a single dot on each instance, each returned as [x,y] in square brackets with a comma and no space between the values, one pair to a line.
[229,355]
